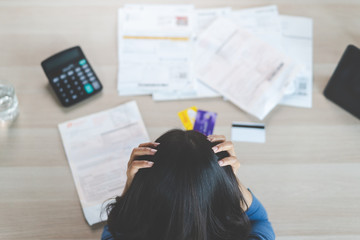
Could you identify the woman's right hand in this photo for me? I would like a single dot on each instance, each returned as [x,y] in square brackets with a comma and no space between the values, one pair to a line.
[136,162]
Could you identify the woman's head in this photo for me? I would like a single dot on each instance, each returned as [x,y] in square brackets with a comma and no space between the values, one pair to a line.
[185,195]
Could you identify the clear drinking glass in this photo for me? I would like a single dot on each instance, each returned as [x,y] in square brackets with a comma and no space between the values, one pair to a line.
[8,104]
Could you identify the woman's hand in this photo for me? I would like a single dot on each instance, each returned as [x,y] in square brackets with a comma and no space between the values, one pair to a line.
[136,162]
[227,146]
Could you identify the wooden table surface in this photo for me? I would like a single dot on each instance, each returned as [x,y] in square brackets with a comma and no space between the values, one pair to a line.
[307,174]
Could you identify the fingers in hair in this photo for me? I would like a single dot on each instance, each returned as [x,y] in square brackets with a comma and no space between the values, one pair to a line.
[216,138]
[225,146]
[139,164]
[149,144]
[230,161]
[141,151]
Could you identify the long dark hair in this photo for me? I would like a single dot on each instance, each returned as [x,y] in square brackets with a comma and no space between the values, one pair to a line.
[185,195]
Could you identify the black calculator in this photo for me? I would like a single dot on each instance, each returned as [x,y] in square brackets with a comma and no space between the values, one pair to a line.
[71,76]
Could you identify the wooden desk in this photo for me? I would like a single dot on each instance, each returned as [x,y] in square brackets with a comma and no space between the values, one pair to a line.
[307,173]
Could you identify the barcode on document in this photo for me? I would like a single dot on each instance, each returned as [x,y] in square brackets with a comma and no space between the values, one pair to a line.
[302,86]
[182,75]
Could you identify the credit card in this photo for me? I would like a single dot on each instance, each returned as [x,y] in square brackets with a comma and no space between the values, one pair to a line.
[248,132]
[187,117]
[205,122]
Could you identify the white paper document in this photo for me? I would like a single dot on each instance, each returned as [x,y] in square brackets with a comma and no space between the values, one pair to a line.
[155,48]
[98,148]
[297,43]
[247,71]
[204,18]
[263,22]
[248,132]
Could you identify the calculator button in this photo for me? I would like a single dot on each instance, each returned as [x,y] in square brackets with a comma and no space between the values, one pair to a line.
[66,100]
[70,73]
[87,70]
[76,83]
[63,95]
[77,69]
[92,79]
[81,93]
[82,62]
[68,86]
[79,88]
[74,96]
[80,74]
[62,76]
[71,91]
[55,80]
[96,85]
[61,89]
[85,66]
[90,74]
[73,78]
[88,88]
[85,82]
[57,84]
[66,81]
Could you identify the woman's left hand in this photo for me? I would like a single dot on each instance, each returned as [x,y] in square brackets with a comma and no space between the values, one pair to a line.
[232,160]
[227,146]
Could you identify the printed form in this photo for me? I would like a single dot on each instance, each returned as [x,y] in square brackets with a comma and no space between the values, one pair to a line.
[204,18]
[155,48]
[249,72]
[263,22]
[292,36]
[297,42]
[98,148]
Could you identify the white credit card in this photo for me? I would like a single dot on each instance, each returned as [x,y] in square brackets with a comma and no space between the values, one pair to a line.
[248,132]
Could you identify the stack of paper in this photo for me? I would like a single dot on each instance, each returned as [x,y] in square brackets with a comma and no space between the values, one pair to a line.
[254,57]
[244,69]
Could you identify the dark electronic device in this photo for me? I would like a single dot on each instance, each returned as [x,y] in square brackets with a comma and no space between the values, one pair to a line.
[343,87]
[71,76]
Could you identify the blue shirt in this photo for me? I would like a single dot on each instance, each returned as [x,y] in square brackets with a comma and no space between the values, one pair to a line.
[261,226]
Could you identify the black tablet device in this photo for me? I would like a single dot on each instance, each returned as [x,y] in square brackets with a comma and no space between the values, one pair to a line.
[71,76]
[343,87]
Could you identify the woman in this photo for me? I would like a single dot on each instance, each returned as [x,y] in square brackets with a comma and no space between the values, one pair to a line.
[183,186]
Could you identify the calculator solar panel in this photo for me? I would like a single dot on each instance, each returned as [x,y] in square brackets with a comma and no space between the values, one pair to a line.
[71,76]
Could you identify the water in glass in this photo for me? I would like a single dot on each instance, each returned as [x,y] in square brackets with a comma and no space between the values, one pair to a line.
[8,105]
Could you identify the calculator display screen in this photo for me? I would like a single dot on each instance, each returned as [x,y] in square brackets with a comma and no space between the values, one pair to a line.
[62,59]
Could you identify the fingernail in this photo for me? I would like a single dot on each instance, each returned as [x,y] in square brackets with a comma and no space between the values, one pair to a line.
[209,139]
[156,143]
[215,149]
[221,163]
[153,150]
[150,163]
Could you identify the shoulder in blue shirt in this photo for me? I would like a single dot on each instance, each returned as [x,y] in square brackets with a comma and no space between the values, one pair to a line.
[261,226]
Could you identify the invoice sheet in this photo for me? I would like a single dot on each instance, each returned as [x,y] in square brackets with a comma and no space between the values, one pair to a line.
[155,48]
[264,22]
[98,148]
[297,43]
[204,19]
[244,69]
